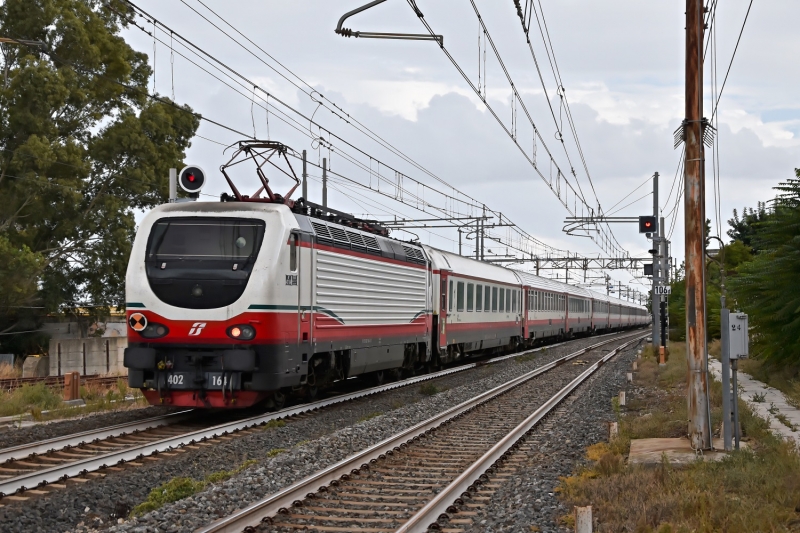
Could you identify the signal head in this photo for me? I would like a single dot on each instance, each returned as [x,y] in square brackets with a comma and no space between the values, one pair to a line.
[647,224]
[191,179]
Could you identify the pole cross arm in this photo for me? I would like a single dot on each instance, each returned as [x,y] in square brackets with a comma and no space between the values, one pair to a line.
[346,32]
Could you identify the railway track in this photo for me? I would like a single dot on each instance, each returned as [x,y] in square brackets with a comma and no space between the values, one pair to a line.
[436,471]
[37,468]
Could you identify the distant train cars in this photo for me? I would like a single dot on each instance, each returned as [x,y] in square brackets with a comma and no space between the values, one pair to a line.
[237,303]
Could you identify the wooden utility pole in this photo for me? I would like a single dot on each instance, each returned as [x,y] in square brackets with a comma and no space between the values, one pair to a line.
[694,209]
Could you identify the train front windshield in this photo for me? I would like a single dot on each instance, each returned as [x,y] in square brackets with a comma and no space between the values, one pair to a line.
[202,262]
[205,239]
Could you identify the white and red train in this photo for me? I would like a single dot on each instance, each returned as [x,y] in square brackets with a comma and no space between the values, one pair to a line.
[234,303]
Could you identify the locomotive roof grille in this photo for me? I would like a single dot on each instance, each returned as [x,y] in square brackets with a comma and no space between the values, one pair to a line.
[414,254]
[347,238]
[323,235]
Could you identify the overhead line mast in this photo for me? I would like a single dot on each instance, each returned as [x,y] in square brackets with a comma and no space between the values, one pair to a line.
[694,209]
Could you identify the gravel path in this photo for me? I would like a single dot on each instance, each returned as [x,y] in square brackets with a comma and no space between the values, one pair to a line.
[58,428]
[313,442]
[528,501]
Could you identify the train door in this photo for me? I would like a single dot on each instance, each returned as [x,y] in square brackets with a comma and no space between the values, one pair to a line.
[300,260]
[444,300]
[525,303]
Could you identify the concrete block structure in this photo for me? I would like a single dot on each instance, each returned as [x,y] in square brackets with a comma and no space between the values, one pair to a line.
[96,355]
[35,367]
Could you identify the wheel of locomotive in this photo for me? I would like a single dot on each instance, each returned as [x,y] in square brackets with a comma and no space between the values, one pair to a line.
[278,400]
[378,378]
[311,389]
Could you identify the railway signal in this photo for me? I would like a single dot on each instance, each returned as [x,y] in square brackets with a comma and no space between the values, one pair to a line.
[647,224]
[191,179]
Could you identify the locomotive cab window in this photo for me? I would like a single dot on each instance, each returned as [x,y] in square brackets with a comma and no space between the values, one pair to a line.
[293,252]
[202,262]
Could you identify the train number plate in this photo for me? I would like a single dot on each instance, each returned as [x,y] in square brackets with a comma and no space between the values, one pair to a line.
[179,380]
[219,380]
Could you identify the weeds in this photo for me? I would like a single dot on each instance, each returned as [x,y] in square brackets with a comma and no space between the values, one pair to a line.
[369,416]
[222,475]
[173,490]
[759,397]
[29,399]
[785,420]
[275,452]
[429,389]
[182,487]
[274,423]
[755,489]
[10,371]
[45,403]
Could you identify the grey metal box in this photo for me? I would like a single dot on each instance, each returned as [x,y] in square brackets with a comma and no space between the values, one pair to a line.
[739,340]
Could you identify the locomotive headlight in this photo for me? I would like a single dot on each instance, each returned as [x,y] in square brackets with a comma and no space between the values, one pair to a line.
[154,331]
[241,332]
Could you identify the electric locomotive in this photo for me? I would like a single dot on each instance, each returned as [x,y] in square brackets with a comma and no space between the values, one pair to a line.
[253,298]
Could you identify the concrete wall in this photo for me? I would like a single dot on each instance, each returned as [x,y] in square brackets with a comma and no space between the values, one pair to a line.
[35,367]
[99,355]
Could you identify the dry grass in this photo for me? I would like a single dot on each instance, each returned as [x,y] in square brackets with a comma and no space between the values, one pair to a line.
[754,490]
[10,371]
[37,398]
[784,378]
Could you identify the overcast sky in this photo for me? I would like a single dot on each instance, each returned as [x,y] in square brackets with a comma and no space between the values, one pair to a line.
[621,63]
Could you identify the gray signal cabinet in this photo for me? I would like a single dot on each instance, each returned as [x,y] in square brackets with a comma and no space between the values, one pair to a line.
[738,338]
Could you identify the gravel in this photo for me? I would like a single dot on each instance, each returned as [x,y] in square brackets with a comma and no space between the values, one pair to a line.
[529,498]
[12,436]
[313,441]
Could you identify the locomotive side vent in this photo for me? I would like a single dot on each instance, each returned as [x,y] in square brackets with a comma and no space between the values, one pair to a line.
[339,236]
[323,235]
[356,241]
[414,254]
[371,244]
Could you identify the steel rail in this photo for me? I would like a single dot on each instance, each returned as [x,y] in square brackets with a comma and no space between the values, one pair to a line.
[24,451]
[252,515]
[442,504]
[82,466]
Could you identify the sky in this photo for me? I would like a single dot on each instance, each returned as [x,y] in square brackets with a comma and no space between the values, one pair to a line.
[621,65]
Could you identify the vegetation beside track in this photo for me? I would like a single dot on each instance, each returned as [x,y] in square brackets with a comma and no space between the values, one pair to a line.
[754,489]
[43,402]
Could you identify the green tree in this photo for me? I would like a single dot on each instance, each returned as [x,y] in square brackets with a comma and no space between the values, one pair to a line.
[766,287]
[82,147]
[743,229]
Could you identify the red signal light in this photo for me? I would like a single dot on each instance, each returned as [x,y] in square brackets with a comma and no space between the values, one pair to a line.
[190,177]
[647,224]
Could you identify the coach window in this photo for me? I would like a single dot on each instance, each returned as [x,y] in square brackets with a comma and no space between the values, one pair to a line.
[450,304]
[460,296]
[470,296]
[508,300]
[514,301]
[487,299]
[293,252]
[479,298]
[502,302]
